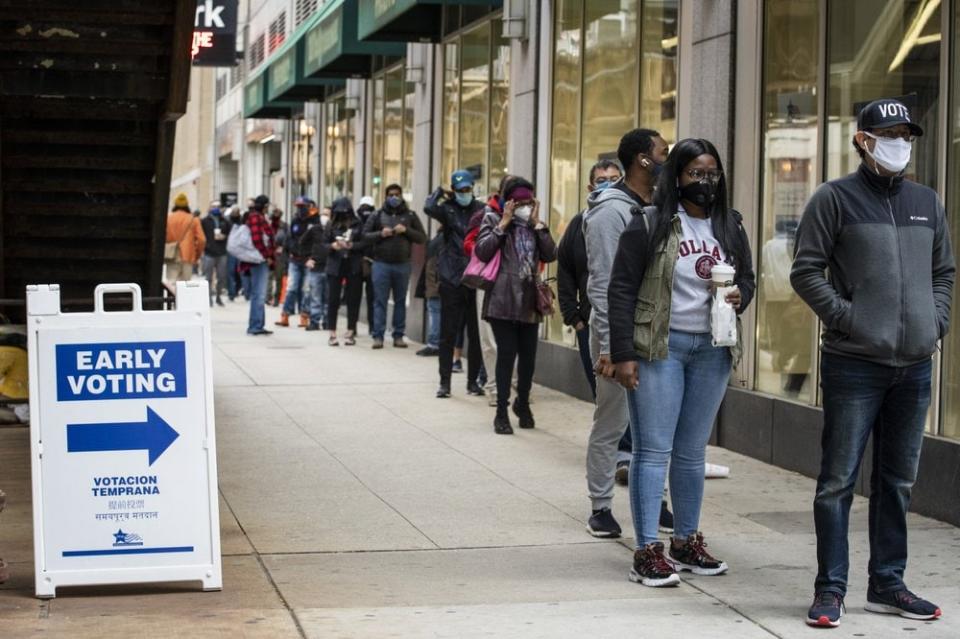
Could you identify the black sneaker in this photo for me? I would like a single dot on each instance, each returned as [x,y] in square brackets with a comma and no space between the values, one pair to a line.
[623,473]
[901,602]
[312,326]
[524,414]
[666,518]
[428,351]
[260,331]
[602,524]
[826,610]
[457,367]
[474,388]
[501,424]
[651,568]
[443,392]
[692,556]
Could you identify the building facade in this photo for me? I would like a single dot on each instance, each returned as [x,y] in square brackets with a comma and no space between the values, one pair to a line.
[342,97]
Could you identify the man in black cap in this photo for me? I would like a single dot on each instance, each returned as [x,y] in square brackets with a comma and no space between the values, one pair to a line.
[884,305]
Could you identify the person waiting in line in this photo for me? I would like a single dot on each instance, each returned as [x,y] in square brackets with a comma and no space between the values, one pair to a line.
[392,231]
[313,246]
[281,257]
[304,217]
[428,289]
[344,247]
[216,229]
[885,242]
[511,305]
[659,300]
[454,209]
[642,153]
[365,209]
[184,229]
[261,234]
[234,284]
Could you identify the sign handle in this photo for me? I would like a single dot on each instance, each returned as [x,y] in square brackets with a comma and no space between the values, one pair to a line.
[133,289]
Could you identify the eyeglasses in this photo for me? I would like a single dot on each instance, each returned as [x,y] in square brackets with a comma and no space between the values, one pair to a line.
[699,175]
[887,134]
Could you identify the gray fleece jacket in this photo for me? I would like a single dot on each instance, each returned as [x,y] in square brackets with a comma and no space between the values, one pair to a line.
[608,213]
[886,246]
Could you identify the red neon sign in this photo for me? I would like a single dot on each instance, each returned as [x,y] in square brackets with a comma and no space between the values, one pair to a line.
[201,40]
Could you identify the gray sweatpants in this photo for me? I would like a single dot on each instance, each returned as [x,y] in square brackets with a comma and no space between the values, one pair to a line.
[610,420]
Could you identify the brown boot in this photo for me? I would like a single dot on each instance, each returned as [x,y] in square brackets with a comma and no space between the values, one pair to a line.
[304,320]
[284,320]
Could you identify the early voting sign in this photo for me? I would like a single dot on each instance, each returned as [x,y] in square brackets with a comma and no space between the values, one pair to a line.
[122,441]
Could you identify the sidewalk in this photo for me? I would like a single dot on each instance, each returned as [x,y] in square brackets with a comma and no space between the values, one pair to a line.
[354,504]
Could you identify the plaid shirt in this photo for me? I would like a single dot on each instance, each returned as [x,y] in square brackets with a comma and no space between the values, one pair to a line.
[261,234]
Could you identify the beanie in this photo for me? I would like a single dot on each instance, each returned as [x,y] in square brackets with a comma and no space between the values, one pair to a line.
[181,202]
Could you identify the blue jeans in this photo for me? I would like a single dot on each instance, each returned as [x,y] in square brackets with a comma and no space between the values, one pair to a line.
[318,297]
[389,278]
[296,280]
[257,276]
[671,415]
[433,315]
[860,398]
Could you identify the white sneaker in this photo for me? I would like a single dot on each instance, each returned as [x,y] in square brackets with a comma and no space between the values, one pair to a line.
[715,471]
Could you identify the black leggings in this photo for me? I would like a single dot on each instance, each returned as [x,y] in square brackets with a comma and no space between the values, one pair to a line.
[516,341]
[458,305]
[353,288]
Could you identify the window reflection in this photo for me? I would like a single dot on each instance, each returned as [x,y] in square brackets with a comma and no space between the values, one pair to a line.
[786,326]
[451,108]
[951,344]
[475,103]
[339,151]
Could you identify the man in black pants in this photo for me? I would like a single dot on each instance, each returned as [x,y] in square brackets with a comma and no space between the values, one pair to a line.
[453,210]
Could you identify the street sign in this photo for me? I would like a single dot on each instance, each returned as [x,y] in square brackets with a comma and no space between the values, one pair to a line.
[122,441]
[215,34]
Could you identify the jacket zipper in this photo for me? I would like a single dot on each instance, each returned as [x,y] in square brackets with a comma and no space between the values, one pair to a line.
[896,237]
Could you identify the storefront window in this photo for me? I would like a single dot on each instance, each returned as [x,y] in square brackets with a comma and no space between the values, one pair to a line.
[476,105]
[950,414]
[608,78]
[376,147]
[393,127]
[787,328]
[393,122]
[339,152]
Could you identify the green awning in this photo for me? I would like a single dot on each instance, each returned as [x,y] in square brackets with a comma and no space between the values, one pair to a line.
[256,103]
[331,48]
[286,81]
[408,20]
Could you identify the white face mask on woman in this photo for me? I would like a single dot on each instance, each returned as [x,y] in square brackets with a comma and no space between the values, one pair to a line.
[891,154]
[522,213]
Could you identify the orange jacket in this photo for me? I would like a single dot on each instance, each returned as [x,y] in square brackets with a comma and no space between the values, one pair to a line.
[194,241]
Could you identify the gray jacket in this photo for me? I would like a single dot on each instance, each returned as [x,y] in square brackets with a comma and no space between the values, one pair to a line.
[608,213]
[891,269]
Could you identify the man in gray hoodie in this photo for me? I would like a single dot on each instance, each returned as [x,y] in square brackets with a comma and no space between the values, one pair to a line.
[641,152]
[884,305]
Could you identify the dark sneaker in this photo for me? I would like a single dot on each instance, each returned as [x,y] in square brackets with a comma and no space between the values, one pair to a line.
[377,343]
[457,367]
[219,302]
[651,568]
[666,518]
[260,331]
[523,414]
[826,610]
[901,602]
[428,351]
[399,343]
[602,524]
[501,424]
[692,556]
[443,392]
[312,326]
[474,388]
[622,475]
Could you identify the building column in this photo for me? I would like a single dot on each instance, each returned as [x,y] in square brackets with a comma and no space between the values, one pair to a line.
[524,78]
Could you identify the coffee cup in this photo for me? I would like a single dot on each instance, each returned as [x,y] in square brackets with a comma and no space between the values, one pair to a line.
[722,274]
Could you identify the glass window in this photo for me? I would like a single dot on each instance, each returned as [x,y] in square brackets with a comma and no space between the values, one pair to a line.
[658,71]
[950,422]
[499,107]
[475,103]
[409,97]
[451,108]
[787,328]
[339,152]
[393,126]
[376,151]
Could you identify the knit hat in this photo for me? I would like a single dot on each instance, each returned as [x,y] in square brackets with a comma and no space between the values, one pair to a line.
[181,202]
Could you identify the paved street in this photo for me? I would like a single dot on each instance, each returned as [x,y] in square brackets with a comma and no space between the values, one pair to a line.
[354,504]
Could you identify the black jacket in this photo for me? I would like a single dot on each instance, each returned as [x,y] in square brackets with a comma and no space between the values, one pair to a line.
[572,274]
[396,248]
[215,248]
[344,263]
[313,245]
[455,219]
[298,228]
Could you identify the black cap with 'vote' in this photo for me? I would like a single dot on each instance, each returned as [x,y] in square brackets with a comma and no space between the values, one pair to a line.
[884,113]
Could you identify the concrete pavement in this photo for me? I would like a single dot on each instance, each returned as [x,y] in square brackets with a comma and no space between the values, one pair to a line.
[354,504]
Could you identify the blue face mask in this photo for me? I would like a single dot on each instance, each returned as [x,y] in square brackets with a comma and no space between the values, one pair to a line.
[464,199]
[656,169]
[602,185]
[394,201]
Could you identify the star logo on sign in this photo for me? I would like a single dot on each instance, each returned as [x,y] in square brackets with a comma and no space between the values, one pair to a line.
[120,536]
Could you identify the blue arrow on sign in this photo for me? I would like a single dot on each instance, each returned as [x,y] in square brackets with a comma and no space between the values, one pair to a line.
[154,435]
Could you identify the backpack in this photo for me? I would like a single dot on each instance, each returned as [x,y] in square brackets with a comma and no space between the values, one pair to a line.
[240,245]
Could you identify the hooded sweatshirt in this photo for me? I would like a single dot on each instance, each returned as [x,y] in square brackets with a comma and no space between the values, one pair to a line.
[608,213]
[886,245]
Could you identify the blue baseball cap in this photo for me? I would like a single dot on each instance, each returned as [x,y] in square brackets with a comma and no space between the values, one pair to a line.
[460,179]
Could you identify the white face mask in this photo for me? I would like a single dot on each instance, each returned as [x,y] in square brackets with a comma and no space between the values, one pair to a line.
[324,219]
[893,155]
[522,213]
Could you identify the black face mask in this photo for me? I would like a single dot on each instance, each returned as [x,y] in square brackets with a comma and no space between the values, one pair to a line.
[700,193]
